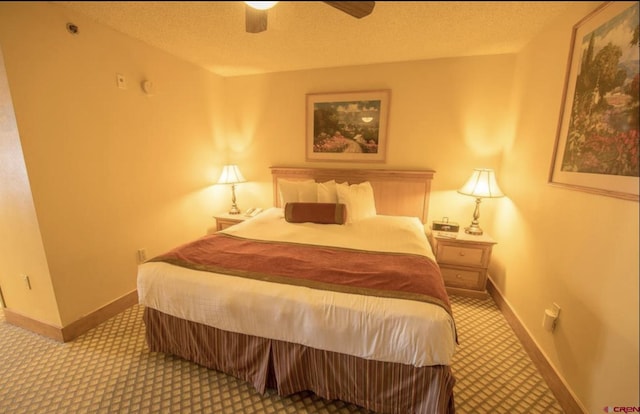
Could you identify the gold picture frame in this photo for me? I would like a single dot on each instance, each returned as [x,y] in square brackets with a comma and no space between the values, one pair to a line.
[347,126]
[596,148]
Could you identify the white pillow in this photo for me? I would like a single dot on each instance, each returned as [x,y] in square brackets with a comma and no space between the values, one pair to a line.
[297,191]
[327,192]
[359,200]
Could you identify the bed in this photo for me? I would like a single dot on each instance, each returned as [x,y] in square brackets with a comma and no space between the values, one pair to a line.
[334,289]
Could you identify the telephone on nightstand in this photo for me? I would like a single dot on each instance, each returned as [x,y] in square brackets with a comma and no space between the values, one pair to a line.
[253,211]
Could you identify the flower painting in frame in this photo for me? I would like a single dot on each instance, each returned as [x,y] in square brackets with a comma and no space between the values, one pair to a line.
[348,126]
[597,146]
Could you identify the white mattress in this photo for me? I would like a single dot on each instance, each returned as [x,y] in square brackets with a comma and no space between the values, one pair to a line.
[383,329]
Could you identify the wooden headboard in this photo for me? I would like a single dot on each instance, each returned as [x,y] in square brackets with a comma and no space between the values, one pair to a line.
[396,192]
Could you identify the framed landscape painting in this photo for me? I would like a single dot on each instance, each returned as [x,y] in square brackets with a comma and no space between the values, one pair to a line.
[347,126]
[597,142]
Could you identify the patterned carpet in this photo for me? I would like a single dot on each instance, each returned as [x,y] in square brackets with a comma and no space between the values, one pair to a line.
[110,370]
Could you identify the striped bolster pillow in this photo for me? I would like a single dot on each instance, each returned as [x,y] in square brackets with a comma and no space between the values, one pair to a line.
[320,213]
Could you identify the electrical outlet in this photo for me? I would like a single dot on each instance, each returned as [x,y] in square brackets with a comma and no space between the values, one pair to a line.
[142,255]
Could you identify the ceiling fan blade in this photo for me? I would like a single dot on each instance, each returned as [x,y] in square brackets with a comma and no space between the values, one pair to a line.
[357,9]
[255,20]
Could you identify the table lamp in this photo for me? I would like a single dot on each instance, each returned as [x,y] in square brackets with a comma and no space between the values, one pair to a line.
[482,184]
[231,175]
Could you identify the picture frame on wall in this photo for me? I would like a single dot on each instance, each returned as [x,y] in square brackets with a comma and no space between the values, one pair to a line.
[347,126]
[597,142]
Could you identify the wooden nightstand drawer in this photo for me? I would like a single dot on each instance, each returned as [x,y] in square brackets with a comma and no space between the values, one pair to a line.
[223,224]
[463,278]
[463,260]
[227,220]
[467,256]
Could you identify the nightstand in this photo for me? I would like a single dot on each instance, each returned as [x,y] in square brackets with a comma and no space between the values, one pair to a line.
[227,220]
[463,260]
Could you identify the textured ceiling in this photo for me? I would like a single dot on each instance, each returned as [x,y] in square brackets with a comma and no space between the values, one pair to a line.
[307,35]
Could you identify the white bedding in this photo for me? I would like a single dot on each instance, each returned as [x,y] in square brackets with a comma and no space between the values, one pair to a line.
[383,329]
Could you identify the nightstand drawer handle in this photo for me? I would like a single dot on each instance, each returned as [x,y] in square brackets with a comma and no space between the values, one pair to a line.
[461,253]
[458,275]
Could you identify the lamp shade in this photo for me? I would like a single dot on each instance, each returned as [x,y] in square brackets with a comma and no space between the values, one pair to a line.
[482,184]
[231,175]
[261,5]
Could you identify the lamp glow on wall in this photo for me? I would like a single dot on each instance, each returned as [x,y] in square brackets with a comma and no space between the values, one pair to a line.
[231,175]
[481,184]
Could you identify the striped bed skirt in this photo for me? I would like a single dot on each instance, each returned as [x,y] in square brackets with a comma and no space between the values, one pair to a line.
[383,387]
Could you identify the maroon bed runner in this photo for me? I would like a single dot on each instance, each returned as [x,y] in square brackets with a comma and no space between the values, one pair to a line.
[392,275]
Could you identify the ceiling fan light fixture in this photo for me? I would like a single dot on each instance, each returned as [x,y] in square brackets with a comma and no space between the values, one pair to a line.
[256,12]
[261,5]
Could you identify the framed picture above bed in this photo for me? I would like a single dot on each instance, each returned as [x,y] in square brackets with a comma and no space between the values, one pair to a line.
[349,126]
[597,143]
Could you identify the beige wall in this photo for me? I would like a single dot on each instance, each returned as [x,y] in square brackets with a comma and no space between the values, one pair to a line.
[21,249]
[111,170]
[557,245]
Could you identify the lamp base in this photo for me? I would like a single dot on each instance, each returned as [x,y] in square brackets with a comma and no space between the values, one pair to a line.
[473,230]
[234,207]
